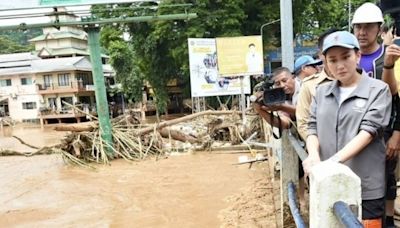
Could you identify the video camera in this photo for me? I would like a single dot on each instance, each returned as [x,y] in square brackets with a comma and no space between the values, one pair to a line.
[271,95]
[393,8]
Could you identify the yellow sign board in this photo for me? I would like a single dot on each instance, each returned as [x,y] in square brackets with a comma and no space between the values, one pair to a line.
[238,56]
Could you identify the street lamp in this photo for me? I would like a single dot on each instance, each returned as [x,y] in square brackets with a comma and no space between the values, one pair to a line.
[261,33]
[262,26]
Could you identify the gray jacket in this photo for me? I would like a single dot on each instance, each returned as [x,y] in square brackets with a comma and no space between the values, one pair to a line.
[367,108]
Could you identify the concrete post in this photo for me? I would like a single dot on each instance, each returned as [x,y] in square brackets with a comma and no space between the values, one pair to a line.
[289,174]
[287,34]
[331,182]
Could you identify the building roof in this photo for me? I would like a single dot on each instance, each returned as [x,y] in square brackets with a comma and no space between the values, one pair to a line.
[81,63]
[17,57]
[59,35]
[45,52]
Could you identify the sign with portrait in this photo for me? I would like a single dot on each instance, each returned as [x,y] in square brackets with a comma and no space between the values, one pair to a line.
[240,56]
[204,76]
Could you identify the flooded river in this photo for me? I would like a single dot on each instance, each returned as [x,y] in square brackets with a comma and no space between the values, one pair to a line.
[189,190]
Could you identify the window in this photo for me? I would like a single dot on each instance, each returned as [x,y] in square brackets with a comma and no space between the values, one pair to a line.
[26,81]
[5,82]
[52,102]
[29,105]
[68,100]
[84,77]
[47,80]
[63,79]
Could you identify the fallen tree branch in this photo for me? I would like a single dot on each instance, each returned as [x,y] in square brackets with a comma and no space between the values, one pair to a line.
[23,142]
[41,151]
[182,119]
[79,110]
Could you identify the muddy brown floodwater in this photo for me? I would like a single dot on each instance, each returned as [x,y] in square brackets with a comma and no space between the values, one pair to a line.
[188,190]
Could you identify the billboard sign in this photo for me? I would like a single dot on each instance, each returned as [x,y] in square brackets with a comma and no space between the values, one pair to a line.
[240,56]
[204,76]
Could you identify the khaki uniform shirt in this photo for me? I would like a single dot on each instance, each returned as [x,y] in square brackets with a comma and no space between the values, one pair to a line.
[307,92]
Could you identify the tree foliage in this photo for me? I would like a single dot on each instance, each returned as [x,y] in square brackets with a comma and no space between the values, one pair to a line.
[157,51]
[8,46]
[15,41]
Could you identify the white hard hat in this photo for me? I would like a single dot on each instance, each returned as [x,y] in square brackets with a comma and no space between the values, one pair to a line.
[367,13]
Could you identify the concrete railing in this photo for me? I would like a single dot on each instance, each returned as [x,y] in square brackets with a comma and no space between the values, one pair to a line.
[335,191]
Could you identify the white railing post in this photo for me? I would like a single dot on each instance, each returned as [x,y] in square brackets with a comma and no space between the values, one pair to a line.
[331,182]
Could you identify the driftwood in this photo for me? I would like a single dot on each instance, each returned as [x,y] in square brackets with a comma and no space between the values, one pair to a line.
[23,142]
[182,119]
[77,127]
[43,150]
[177,135]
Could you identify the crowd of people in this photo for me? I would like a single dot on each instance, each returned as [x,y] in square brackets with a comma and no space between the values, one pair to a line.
[347,108]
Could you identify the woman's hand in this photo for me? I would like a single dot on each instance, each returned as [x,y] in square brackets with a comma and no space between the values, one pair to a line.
[309,163]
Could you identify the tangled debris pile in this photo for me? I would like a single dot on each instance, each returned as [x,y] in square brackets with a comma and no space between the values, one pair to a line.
[135,141]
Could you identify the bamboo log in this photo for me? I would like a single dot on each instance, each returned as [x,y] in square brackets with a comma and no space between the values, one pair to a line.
[182,119]
[177,135]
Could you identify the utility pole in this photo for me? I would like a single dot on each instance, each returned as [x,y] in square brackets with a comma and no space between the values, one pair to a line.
[349,9]
[287,34]
[99,85]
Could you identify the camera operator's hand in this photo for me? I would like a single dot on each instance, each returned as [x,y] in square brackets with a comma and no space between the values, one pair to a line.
[257,99]
[276,107]
[259,106]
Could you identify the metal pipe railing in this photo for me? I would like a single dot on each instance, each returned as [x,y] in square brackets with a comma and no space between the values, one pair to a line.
[293,206]
[344,214]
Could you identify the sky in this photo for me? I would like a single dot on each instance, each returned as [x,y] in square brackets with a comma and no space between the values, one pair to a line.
[31,11]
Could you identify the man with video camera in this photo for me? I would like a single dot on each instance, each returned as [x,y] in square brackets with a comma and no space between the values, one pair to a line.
[277,96]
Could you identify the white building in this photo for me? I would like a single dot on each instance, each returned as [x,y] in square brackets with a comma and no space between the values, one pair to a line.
[33,86]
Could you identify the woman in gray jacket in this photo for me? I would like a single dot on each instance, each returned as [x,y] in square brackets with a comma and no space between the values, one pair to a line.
[347,120]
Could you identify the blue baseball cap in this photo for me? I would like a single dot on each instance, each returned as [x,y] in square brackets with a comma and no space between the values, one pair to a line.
[340,39]
[305,60]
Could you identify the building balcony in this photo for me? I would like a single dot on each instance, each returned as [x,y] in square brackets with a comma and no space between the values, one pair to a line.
[48,114]
[72,87]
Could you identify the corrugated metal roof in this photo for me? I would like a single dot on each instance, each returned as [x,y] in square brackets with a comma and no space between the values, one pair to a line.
[53,65]
[16,57]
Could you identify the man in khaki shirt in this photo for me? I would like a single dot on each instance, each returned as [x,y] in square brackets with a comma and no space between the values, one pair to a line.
[307,91]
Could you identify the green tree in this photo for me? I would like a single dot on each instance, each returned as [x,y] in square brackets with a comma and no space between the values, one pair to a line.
[8,46]
[158,52]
